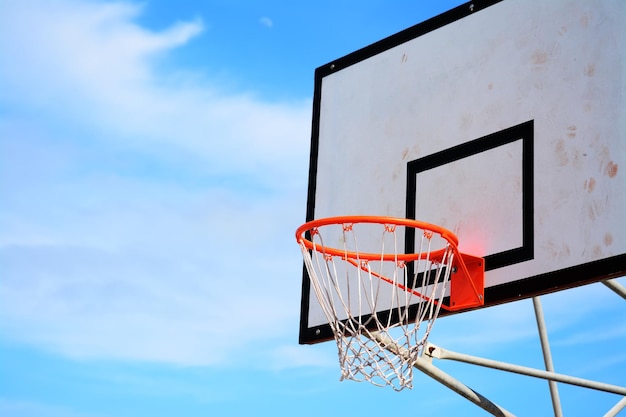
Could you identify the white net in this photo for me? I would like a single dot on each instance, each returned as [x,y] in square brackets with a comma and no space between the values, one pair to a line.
[380,310]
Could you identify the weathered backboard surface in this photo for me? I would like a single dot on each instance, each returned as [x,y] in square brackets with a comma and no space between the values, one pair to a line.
[504,122]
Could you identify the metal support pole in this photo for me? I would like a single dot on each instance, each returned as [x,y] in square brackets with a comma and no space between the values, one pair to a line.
[617,408]
[547,356]
[440,353]
[440,376]
[616,286]
[460,388]
[620,290]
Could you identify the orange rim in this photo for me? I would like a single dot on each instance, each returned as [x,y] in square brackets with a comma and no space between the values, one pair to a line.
[382,220]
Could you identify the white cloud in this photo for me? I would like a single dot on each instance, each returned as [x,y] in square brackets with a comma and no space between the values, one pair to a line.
[32,409]
[103,68]
[146,214]
[287,356]
[266,21]
[92,46]
[152,273]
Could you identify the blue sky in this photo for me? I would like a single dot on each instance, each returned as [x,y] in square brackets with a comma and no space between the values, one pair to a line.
[153,170]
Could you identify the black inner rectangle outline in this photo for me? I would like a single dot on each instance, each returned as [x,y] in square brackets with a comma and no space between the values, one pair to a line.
[523,132]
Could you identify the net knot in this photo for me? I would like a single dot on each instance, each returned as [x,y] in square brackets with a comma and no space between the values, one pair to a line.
[347,227]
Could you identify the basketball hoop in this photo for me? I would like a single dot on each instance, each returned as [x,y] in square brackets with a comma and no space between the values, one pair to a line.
[377,297]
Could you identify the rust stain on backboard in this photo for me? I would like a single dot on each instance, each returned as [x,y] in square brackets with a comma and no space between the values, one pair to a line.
[611,169]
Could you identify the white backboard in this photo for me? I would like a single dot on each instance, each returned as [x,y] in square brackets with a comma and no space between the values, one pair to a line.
[504,122]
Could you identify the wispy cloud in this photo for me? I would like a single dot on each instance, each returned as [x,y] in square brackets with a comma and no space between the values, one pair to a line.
[266,21]
[286,356]
[31,409]
[147,214]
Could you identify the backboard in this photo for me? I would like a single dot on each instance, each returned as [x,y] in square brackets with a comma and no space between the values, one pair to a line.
[502,121]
